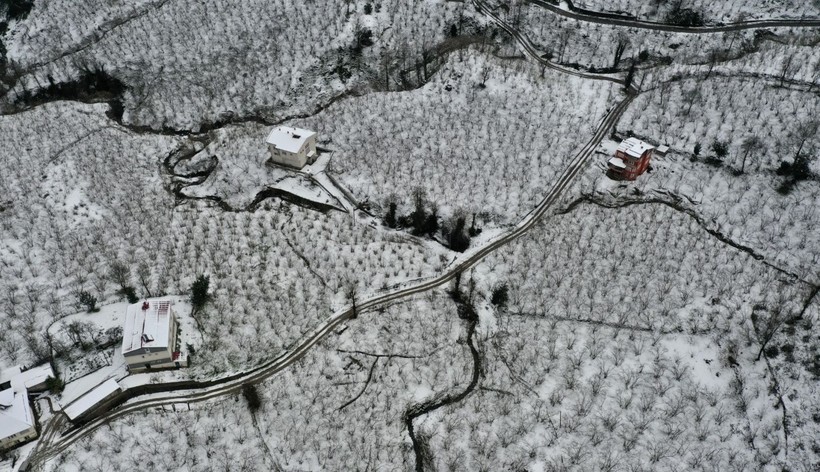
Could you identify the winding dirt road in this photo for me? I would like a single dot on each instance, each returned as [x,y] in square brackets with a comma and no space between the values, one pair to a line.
[610,19]
[51,444]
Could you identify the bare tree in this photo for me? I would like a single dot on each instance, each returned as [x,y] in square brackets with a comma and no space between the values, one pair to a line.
[120,274]
[751,143]
[804,132]
[144,276]
[620,47]
[766,325]
[788,68]
[351,292]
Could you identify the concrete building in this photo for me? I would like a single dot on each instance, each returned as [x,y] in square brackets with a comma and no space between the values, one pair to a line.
[149,337]
[17,422]
[631,159]
[293,147]
[33,379]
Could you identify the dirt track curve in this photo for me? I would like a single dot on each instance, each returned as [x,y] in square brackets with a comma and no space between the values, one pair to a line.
[611,19]
[50,445]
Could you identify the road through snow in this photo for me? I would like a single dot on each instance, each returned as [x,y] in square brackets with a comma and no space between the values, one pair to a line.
[50,445]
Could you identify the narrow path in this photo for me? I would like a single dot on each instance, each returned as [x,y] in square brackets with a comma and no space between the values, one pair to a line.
[611,19]
[532,52]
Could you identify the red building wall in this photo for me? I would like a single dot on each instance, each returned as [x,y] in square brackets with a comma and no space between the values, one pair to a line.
[634,167]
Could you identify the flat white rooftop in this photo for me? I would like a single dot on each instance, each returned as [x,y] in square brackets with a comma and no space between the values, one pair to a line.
[289,139]
[29,379]
[91,399]
[634,147]
[147,325]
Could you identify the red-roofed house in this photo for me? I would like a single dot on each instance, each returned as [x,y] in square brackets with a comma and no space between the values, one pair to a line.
[631,159]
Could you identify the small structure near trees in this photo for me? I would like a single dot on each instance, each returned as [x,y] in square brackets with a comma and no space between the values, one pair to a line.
[149,337]
[17,422]
[293,147]
[631,159]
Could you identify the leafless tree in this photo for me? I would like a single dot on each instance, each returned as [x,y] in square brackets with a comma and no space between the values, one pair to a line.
[803,133]
[751,143]
[620,47]
[767,324]
[789,67]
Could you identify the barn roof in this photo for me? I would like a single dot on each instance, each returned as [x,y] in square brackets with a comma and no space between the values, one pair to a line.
[634,147]
[147,327]
[289,139]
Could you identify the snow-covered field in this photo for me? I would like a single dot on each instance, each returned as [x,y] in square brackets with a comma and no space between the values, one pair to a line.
[663,324]
[228,59]
[750,208]
[485,135]
[341,407]
[95,193]
[628,342]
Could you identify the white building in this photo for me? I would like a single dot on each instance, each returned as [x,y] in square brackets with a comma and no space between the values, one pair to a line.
[17,423]
[149,337]
[92,400]
[33,379]
[292,147]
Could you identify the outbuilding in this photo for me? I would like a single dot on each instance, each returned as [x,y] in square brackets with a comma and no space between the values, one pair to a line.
[292,147]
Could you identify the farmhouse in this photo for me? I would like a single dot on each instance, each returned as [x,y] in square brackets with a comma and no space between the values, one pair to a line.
[149,337]
[292,147]
[631,159]
[17,423]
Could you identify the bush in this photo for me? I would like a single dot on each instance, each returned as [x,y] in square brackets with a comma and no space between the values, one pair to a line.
[252,397]
[457,238]
[55,385]
[684,17]
[113,335]
[500,296]
[130,294]
[772,352]
[720,148]
[88,301]
[199,292]
[390,217]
